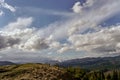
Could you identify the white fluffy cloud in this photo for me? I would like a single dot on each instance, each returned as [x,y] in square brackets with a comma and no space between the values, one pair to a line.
[68,35]
[35,43]
[104,41]
[15,33]
[77,8]
[21,23]
[93,13]
[91,18]
[20,35]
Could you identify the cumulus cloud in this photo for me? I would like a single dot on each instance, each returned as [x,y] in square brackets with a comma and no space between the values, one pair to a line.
[91,19]
[55,44]
[72,34]
[21,23]
[94,12]
[35,43]
[8,41]
[104,41]
[93,15]
[77,8]
[18,34]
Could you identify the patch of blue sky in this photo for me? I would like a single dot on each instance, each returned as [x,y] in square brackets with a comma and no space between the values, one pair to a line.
[6,18]
[44,12]
[114,20]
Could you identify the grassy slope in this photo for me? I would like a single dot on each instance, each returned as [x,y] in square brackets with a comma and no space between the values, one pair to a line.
[33,72]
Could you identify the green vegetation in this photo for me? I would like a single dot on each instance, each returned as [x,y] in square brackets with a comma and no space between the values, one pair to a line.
[81,74]
[47,72]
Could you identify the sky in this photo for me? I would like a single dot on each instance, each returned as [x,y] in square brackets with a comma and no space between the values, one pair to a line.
[31,30]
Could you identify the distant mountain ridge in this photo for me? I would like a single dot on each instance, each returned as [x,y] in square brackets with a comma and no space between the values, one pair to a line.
[76,69]
[93,63]
[87,63]
[2,63]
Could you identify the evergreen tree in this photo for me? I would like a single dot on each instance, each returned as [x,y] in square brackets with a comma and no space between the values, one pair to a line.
[102,76]
[115,75]
[108,77]
[119,75]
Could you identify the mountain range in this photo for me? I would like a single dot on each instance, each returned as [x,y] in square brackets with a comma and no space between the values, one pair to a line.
[3,63]
[86,63]
[93,63]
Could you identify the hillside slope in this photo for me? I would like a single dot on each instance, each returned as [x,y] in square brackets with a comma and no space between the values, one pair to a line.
[46,72]
[94,63]
[33,72]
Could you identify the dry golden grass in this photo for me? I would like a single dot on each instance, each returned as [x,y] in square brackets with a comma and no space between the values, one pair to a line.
[33,72]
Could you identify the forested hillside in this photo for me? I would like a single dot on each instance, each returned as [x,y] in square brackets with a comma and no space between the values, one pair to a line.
[99,63]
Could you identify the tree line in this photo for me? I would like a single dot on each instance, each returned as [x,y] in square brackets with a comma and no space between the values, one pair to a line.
[82,74]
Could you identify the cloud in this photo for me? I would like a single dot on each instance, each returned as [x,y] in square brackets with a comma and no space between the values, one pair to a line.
[77,8]
[72,34]
[21,23]
[90,18]
[18,56]
[104,41]
[28,38]
[89,3]
[35,11]
[24,37]
[35,43]
[93,15]
[4,5]
[7,6]
[16,32]
[1,13]
[64,49]
[8,41]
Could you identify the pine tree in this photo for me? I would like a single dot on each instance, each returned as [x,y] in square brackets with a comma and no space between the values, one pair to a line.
[102,76]
[108,77]
[115,75]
